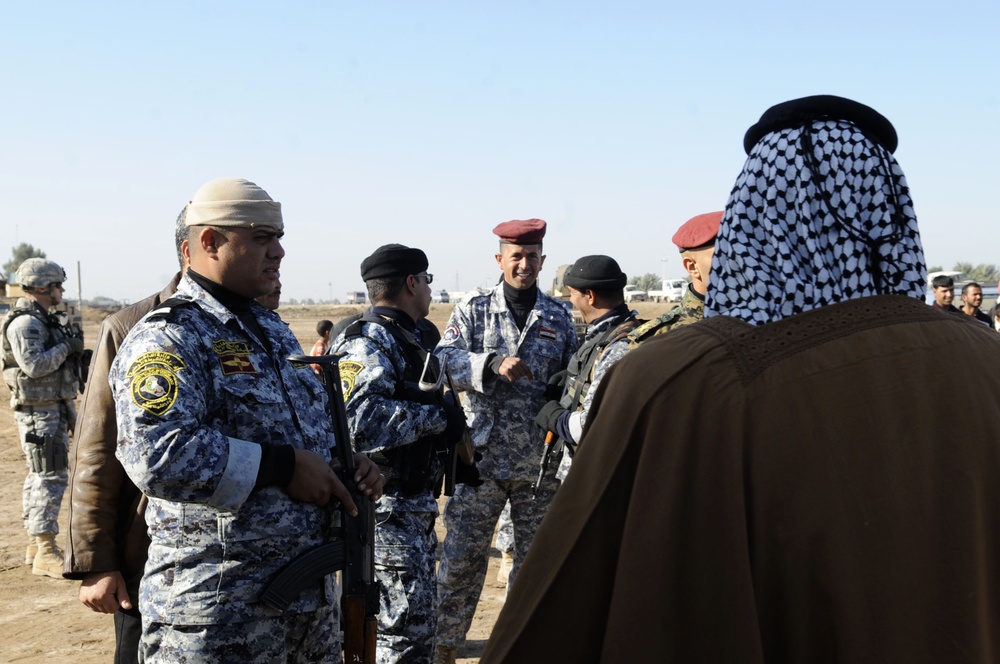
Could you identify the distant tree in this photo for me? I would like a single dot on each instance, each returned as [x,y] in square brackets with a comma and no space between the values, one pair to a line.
[936,268]
[647,282]
[308,301]
[983,273]
[21,253]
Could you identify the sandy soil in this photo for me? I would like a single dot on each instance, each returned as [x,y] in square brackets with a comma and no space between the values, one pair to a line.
[41,619]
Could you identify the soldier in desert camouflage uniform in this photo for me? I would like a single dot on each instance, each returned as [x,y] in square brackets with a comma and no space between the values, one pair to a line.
[696,241]
[502,345]
[232,445]
[407,431]
[38,366]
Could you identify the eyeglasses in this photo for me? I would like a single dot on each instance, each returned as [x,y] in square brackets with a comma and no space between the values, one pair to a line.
[426,275]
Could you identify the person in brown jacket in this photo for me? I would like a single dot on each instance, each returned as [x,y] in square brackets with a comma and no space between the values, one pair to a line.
[107,528]
[778,483]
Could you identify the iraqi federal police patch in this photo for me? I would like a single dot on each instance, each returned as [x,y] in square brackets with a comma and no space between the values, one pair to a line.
[154,381]
[349,371]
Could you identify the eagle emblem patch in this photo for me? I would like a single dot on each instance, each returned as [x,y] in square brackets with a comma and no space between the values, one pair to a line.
[154,381]
[349,371]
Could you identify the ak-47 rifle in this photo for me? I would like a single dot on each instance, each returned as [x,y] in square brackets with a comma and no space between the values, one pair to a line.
[353,552]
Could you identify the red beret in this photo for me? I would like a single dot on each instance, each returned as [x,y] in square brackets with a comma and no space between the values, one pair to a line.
[698,232]
[521,231]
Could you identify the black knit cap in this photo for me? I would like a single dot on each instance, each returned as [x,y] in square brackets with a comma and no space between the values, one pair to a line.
[393,260]
[798,112]
[595,273]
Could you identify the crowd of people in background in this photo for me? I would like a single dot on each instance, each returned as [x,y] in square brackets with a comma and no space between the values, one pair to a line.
[757,475]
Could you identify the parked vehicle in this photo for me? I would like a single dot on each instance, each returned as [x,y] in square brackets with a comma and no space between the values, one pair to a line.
[634,294]
[672,291]
[440,297]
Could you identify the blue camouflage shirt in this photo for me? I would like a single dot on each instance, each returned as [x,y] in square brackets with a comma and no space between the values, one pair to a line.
[371,367]
[195,392]
[501,414]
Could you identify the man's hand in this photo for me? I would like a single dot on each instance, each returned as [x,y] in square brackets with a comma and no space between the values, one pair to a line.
[75,345]
[548,416]
[315,482]
[513,368]
[104,592]
[369,478]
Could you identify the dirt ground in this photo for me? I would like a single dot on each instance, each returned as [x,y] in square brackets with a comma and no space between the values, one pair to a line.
[41,619]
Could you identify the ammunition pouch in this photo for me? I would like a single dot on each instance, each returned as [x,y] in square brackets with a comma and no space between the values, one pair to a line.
[44,455]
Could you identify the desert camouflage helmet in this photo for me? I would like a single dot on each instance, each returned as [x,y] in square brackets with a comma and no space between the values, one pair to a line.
[39,273]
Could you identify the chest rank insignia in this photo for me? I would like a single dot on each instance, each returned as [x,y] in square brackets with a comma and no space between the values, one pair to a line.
[547,333]
[348,374]
[153,380]
[234,357]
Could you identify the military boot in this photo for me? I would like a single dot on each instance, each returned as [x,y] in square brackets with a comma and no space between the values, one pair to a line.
[48,559]
[445,655]
[29,554]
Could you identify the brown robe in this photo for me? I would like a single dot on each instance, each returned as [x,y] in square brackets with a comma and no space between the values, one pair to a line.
[825,488]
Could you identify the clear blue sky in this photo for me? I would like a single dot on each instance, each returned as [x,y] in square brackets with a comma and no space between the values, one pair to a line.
[428,123]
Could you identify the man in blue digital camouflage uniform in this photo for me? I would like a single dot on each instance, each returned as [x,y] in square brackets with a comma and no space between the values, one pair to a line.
[502,345]
[231,443]
[40,366]
[595,286]
[407,431]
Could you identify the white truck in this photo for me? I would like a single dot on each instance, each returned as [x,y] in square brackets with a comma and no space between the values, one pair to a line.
[671,291]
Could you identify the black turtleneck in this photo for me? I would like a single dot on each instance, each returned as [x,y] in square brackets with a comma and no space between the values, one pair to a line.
[277,462]
[520,302]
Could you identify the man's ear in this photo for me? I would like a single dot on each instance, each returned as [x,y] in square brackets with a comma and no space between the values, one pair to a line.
[499,258]
[209,241]
[691,265]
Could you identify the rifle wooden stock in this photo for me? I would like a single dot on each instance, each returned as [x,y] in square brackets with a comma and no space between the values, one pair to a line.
[354,553]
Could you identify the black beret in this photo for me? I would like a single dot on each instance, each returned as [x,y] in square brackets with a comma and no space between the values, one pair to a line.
[595,273]
[798,112]
[393,260]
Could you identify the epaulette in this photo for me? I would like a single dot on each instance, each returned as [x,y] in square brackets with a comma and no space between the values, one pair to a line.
[167,307]
[649,328]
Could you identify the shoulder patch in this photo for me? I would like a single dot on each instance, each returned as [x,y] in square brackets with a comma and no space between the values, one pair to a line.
[450,334]
[349,371]
[153,382]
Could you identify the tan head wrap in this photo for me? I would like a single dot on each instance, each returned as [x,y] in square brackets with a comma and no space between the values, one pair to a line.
[233,202]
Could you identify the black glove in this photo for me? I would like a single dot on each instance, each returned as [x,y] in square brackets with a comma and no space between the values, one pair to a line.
[548,416]
[75,345]
[556,385]
[467,475]
[456,423]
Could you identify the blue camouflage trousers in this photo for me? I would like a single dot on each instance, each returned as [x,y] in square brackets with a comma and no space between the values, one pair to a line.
[298,638]
[405,557]
[42,493]
[505,531]
[470,517]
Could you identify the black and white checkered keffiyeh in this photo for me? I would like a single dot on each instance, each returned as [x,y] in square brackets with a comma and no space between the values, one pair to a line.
[819,215]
